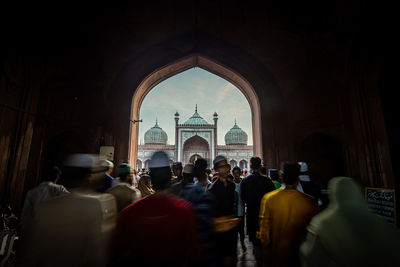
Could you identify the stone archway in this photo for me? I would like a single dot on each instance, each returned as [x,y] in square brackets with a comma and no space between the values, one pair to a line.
[146,164]
[243,164]
[195,60]
[233,163]
[138,164]
[195,146]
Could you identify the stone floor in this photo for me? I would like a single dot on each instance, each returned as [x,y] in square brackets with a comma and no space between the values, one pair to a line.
[246,259]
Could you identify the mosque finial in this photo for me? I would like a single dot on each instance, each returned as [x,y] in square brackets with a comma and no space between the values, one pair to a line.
[196,108]
[156,121]
[235,121]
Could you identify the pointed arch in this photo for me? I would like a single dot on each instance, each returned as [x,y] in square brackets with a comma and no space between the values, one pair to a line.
[195,60]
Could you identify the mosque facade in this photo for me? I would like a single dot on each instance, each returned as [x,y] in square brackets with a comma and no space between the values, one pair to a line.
[196,138]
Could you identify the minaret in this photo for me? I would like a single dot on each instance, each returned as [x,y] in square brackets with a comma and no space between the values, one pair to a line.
[176,135]
[215,134]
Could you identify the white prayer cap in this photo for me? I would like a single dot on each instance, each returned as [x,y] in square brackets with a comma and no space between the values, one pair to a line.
[303,166]
[189,168]
[88,161]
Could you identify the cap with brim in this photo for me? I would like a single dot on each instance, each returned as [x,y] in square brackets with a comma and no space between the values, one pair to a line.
[218,159]
[158,160]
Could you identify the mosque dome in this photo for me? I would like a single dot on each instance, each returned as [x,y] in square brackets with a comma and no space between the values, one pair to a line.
[155,135]
[236,136]
[196,119]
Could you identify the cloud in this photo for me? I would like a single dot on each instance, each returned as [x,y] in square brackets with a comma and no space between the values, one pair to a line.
[183,91]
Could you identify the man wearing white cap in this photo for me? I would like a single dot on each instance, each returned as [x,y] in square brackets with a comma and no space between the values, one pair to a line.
[158,230]
[73,229]
[305,184]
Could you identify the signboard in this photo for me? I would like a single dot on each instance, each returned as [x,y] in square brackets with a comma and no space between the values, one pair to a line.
[382,201]
[107,152]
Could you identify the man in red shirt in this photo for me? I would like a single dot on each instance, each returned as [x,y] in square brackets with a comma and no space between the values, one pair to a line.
[158,230]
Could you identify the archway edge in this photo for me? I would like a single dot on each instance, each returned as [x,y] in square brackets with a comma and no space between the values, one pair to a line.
[183,64]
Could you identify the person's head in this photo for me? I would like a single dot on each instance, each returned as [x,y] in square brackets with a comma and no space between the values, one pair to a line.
[236,172]
[109,166]
[177,168]
[188,173]
[160,171]
[273,174]
[200,167]
[209,172]
[52,174]
[125,173]
[255,163]
[221,166]
[290,173]
[303,168]
[84,170]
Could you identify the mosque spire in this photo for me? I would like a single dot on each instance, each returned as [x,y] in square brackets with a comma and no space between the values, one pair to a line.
[196,108]
[156,121]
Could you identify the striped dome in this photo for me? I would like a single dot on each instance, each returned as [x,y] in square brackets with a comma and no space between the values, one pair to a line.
[236,136]
[155,135]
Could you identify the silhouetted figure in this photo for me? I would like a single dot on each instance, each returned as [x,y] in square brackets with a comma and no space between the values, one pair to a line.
[203,203]
[237,173]
[347,233]
[157,230]
[223,192]
[73,229]
[108,180]
[252,189]
[123,191]
[200,172]
[306,185]
[46,190]
[284,216]
[177,172]
[188,175]
[273,174]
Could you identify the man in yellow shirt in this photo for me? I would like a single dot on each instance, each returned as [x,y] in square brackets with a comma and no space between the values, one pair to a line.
[284,216]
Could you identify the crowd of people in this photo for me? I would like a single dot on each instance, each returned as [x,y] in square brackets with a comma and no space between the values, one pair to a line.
[189,215]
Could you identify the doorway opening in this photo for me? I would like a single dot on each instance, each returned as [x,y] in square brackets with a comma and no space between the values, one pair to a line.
[185,147]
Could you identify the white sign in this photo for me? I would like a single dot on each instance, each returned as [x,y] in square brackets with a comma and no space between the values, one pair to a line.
[107,152]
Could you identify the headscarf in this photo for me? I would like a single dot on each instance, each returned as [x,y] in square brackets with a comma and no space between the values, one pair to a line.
[144,185]
[350,233]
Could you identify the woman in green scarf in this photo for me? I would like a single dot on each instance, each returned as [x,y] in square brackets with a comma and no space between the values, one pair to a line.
[347,233]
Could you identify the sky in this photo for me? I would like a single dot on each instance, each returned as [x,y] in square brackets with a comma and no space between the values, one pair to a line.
[183,91]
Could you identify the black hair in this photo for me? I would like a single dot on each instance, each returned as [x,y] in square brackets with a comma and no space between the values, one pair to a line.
[200,166]
[52,174]
[291,171]
[208,171]
[75,176]
[123,176]
[161,177]
[255,163]
[236,168]
[263,170]
[188,177]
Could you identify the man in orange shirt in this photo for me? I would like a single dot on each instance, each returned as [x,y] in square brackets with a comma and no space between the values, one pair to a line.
[284,216]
